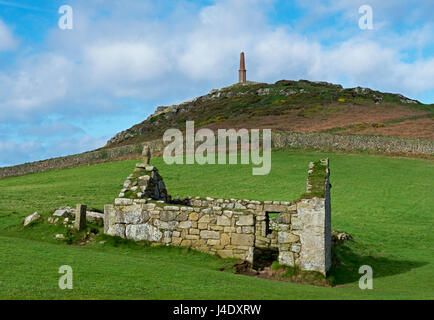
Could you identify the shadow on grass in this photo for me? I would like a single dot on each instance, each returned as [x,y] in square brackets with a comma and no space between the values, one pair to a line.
[346,264]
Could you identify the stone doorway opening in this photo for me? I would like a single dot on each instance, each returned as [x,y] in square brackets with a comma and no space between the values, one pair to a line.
[263,258]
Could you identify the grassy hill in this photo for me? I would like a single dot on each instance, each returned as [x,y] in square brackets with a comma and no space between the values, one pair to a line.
[292,106]
[301,114]
[385,203]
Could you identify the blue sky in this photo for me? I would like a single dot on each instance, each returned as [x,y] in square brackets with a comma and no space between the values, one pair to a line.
[69,91]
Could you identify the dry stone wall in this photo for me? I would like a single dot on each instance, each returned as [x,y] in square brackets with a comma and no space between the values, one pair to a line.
[96,156]
[278,140]
[328,141]
[300,231]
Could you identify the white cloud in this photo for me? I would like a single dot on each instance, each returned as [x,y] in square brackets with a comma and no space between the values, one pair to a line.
[125,62]
[385,11]
[38,82]
[109,59]
[283,54]
[132,54]
[355,62]
[7,39]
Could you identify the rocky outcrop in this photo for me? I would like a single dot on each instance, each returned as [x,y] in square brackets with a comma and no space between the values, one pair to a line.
[407,100]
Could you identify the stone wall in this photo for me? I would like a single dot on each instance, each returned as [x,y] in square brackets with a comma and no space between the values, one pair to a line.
[97,156]
[279,140]
[300,231]
[145,182]
[378,144]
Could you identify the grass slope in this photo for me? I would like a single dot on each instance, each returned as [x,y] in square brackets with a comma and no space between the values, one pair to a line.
[387,204]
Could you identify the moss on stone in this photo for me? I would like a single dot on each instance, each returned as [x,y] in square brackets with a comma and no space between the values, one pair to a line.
[317,179]
[129,194]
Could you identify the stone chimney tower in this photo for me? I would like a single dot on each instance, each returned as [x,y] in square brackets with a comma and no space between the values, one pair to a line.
[242,71]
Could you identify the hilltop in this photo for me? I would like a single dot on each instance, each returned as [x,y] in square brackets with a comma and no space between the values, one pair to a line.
[291,106]
[301,114]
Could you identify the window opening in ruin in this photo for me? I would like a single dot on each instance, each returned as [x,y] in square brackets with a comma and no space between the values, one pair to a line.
[270,221]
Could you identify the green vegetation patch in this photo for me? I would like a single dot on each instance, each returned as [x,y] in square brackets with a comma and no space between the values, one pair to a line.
[317,180]
[294,274]
[385,203]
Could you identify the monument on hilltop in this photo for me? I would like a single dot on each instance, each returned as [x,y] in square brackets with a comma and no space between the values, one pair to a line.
[242,72]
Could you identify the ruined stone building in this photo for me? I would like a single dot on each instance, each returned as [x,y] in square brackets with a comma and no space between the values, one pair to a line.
[299,231]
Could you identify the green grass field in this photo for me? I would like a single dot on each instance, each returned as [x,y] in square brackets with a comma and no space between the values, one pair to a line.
[387,204]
